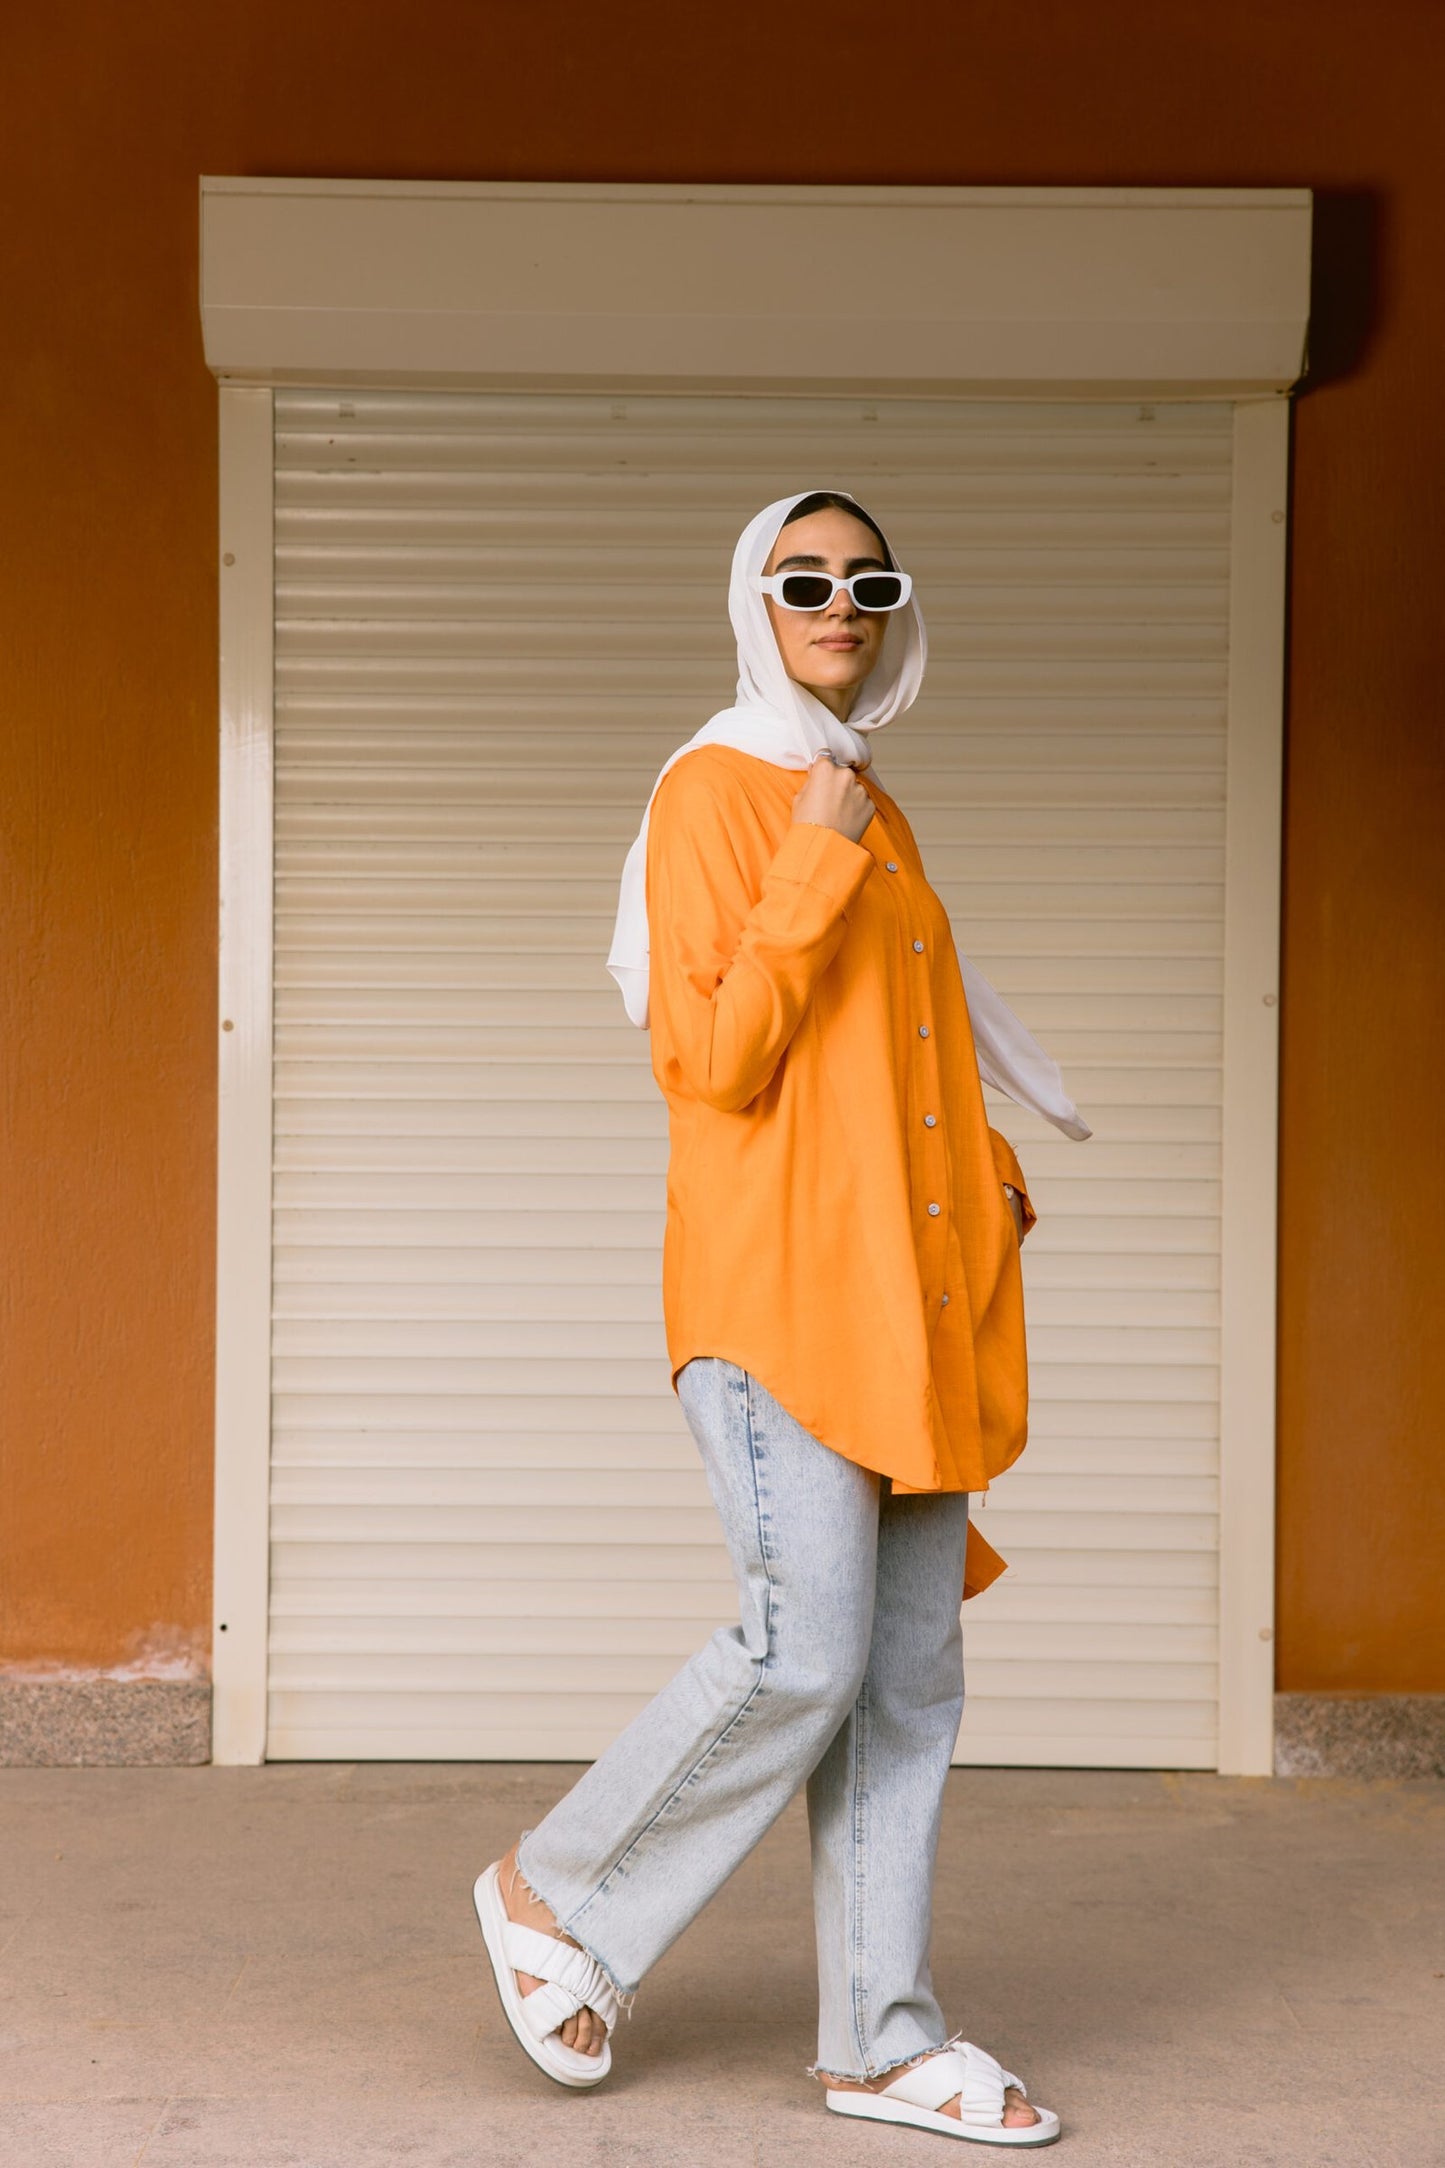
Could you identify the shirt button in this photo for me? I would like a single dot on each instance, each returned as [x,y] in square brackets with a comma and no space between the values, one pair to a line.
[930,1121]
[934,1210]
[945,1298]
[892,865]
[918,948]
[923,1031]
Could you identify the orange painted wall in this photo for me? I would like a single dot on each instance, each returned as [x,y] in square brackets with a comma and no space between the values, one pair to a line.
[108,800]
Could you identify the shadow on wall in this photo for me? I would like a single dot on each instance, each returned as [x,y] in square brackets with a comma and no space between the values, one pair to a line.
[1346,245]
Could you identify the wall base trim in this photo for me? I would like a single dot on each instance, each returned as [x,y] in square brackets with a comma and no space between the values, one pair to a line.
[1359,1735]
[54,1723]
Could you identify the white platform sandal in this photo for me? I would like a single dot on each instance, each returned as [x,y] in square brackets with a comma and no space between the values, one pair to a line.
[570,1979]
[917,2094]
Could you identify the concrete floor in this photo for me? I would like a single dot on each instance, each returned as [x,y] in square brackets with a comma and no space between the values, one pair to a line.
[280,1966]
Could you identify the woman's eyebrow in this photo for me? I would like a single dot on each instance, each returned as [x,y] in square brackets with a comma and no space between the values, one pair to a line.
[855,564]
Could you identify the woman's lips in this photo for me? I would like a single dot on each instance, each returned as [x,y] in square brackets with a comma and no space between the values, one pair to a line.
[839,640]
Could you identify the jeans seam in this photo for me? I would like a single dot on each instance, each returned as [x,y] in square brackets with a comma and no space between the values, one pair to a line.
[860,1846]
[741,1711]
[760,1515]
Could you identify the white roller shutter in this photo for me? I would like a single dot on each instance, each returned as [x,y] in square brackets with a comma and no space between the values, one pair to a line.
[495,617]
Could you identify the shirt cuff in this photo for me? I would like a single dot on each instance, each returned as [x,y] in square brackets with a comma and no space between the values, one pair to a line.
[981,1563]
[1005,1160]
[825,859]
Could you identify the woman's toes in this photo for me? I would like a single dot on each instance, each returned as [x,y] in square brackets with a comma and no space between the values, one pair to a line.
[583,2031]
[1017,2114]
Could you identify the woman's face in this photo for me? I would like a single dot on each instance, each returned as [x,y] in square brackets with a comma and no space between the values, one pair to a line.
[829,651]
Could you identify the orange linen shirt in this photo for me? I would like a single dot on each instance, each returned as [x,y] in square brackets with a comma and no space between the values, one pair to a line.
[836,1221]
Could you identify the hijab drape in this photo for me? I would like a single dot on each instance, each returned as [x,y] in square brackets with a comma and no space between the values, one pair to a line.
[779,720]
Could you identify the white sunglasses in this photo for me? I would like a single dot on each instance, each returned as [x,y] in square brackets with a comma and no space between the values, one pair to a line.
[815,590]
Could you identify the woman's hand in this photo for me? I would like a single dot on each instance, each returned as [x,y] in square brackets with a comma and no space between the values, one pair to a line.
[833,797]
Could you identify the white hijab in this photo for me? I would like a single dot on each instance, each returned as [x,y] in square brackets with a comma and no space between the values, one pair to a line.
[779,720]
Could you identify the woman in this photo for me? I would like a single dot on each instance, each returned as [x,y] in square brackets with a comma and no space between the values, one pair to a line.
[844,1316]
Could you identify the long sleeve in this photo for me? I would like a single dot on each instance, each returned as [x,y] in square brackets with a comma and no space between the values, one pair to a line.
[733,971]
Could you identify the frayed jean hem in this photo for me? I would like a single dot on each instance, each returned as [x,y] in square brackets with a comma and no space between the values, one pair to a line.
[903,2062]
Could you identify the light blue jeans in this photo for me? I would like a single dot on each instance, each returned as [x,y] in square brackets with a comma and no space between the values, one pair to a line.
[845,1672]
